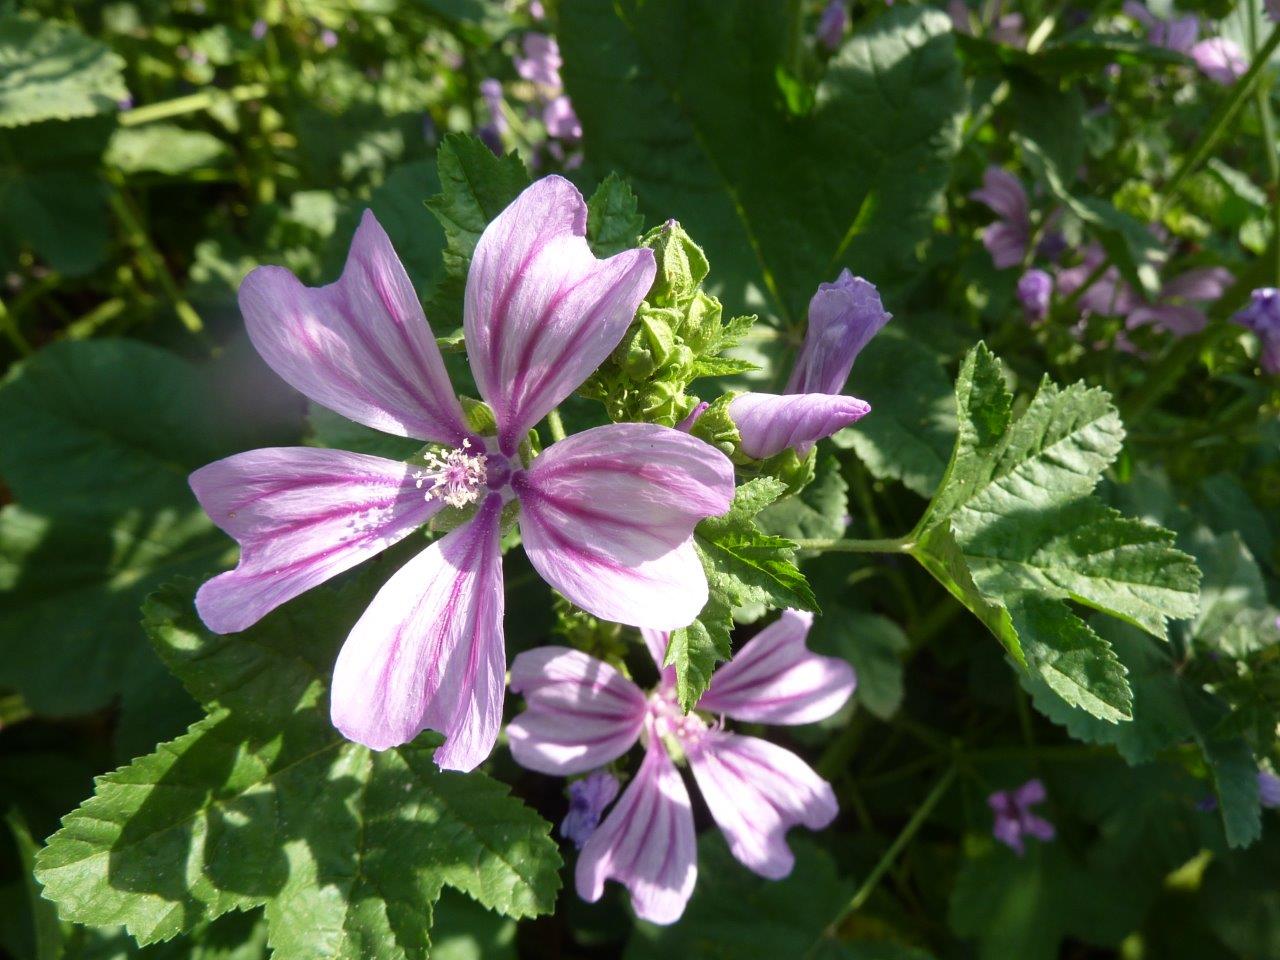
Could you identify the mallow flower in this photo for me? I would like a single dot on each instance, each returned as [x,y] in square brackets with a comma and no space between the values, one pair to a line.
[1220,59]
[1013,819]
[1178,33]
[582,713]
[1262,316]
[606,516]
[1006,239]
[832,24]
[1035,291]
[843,317]
[1179,306]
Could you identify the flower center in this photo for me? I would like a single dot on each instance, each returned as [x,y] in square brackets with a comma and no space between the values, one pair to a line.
[670,722]
[455,477]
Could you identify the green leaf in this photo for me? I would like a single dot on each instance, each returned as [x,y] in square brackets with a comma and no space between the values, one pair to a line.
[613,220]
[264,803]
[780,202]
[99,439]
[1234,615]
[820,510]
[909,437]
[736,915]
[329,429]
[475,186]
[1052,118]
[50,935]
[874,645]
[51,71]
[164,148]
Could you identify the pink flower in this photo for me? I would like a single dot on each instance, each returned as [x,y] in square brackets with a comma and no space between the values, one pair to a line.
[541,62]
[1220,59]
[831,27]
[1006,239]
[1178,34]
[560,120]
[1179,307]
[1013,816]
[843,317]
[541,313]
[581,713]
[1109,295]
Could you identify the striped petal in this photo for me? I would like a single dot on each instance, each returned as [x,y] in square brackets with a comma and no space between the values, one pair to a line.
[756,792]
[770,423]
[428,652]
[775,679]
[607,518]
[656,641]
[646,843]
[1004,194]
[541,312]
[843,317]
[301,515]
[581,713]
[360,346]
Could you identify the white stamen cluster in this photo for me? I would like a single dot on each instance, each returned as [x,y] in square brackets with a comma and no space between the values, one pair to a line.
[455,477]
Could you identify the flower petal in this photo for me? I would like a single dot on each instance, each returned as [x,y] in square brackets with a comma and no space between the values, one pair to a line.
[770,423]
[361,346]
[646,843]
[843,317]
[1003,193]
[757,791]
[775,679]
[428,653]
[581,712]
[607,518]
[301,515]
[1007,244]
[541,311]
[1204,284]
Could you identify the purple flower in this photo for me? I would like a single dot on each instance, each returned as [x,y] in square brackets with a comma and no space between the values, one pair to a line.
[588,798]
[259,29]
[541,61]
[843,317]
[1262,316]
[832,25]
[560,120]
[1004,28]
[1006,239]
[1178,34]
[1109,295]
[1013,816]
[537,10]
[1035,289]
[582,713]
[540,314]
[124,103]
[1179,306]
[1220,59]
[1268,789]
[328,39]
[1273,10]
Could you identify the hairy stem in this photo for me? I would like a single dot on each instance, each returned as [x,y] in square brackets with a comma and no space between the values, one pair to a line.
[836,545]
[191,103]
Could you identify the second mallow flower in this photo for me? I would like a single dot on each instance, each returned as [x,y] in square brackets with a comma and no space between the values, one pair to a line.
[582,713]
[606,516]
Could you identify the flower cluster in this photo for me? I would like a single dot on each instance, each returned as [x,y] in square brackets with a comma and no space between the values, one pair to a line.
[544,99]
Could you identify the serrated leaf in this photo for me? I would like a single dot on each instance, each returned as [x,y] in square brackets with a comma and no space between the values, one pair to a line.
[264,803]
[613,219]
[695,650]
[51,71]
[818,511]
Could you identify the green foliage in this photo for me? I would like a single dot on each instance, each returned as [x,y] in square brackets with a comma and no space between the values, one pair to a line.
[264,803]
[164,148]
[779,201]
[1012,532]
[51,71]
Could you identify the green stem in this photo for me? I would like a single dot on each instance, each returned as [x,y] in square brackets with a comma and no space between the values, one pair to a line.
[12,331]
[555,425]
[1262,97]
[154,260]
[873,878]
[191,103]
[824,545]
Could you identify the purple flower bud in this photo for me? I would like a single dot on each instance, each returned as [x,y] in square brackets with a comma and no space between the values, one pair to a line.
[1268,789]
[843,317]
[491,94]
[1262,316]
[259,29]
[560,120]
[541,61]
[687,423]
[1220,59]
[832,25]
[1035,288]
[328,39]
[1013,816]
[537,10]
[588,798]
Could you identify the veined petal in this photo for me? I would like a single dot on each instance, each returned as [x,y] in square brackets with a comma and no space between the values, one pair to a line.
[770,423]
[1203,284]
[607,518]
[757,791]
[1004,194]
[1178,319]
[775,679]
[1006,242]
[656,641]
[428,653]
[541,312]
[646,843]
[843,317]
[301,515]
[581,713]
[360,346]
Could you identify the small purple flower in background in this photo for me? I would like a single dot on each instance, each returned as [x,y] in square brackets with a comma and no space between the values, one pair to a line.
[1273,10]
[1013,816]
[537,10]
[1178,307]
[1000,28]
[1006,239]
[581,713]
[1035,289]
[1220,59]
[491,133]
[259,29]
[541,62]
[560,120]
[588,799]
[1178,34]
[124,103]
[831,27]
[843,317]
[1262,316]
[1268,789]
[541,312]
[328,39]
[1109,295]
